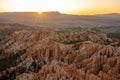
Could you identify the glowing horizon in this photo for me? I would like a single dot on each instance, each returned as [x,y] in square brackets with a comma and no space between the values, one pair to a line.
[82,7]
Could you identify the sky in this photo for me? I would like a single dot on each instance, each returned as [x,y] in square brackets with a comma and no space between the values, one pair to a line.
[80,7]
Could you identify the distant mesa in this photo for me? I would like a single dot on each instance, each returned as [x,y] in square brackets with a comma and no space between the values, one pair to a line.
[51,13]
[46,12]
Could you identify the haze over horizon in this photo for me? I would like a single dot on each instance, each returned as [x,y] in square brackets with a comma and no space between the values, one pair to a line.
[79,7]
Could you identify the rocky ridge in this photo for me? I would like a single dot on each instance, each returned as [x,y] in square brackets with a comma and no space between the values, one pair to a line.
[50,55]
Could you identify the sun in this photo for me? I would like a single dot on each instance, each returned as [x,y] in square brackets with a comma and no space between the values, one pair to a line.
[39,12]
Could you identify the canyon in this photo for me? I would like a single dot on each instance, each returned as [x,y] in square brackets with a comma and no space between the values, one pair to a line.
[59,55]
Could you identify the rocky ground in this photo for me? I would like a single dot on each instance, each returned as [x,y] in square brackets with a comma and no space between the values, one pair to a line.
[51,55]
